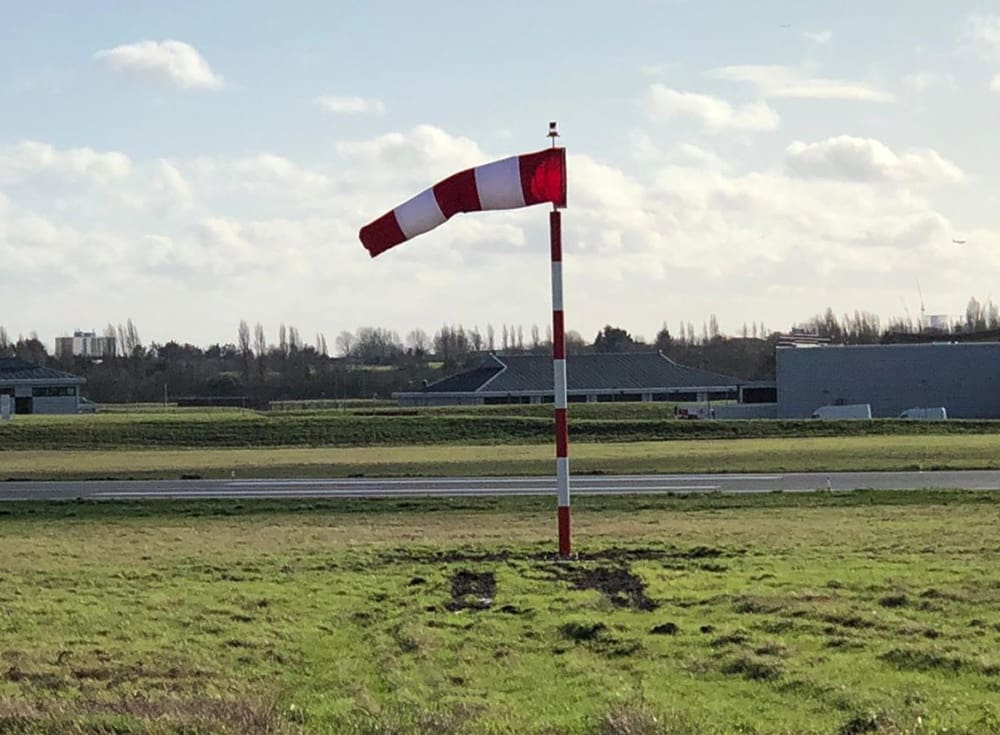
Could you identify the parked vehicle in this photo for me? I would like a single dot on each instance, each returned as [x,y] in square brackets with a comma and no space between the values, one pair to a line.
[938,413]
[850,411]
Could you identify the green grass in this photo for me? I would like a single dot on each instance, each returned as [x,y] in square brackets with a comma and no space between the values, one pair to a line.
[829,454]
[827,614]
[444,426]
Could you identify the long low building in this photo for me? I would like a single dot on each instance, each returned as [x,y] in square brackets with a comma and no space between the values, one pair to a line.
[964,378]
[649,376]
[36,389]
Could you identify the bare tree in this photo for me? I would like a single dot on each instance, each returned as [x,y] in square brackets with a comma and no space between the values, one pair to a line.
[259,340]
[260,347]
[244,347]
[128,339]
[418,341]
[282,340]
[575,344]
[490,338]
[121,340]
[345,343]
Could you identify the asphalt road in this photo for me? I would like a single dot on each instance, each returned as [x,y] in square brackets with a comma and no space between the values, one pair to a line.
[493,486]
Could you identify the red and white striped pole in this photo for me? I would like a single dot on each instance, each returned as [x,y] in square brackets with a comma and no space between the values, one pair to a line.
[559,374]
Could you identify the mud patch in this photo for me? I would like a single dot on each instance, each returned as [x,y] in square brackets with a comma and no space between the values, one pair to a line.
[753,668]
[664,629]
[896,600]
[471,591]
[618,584]
[581,632]
[599,639]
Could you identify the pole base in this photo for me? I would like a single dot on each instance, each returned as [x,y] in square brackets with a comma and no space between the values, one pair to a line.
[565,548]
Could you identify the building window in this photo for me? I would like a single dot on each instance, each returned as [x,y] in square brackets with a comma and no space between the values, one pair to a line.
[53,391]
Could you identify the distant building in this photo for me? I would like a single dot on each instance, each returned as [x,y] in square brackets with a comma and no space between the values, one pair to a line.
[85,344]
[594,378]
[963,378]
[38,389]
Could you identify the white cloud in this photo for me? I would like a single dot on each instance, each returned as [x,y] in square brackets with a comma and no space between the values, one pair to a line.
[171,62]
[31,158]
[419,157]
[173,185]
[984,31]
[714,114]
[921,81]
[776,81]
[821,37]
[352,105]
[865,159]
[269,238]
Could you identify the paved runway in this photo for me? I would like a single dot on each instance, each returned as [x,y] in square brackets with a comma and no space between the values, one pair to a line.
[495,486]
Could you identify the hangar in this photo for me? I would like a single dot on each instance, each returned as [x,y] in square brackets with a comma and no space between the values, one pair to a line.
[36,389]
[593,378]
[964,378]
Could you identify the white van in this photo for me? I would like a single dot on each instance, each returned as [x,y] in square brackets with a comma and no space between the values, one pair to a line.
[937,413]
[850,411]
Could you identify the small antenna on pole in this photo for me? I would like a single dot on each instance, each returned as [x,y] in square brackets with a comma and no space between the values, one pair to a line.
[553,132]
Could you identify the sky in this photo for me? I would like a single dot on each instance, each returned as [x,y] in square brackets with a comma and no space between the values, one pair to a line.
[192,164]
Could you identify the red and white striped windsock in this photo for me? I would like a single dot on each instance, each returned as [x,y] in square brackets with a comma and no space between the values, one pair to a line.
[518,181]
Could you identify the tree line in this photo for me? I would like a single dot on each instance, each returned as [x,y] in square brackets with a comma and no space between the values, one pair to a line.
[375,362]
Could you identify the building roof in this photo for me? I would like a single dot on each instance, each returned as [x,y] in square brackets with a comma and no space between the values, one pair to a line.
[631,371]
[13,368]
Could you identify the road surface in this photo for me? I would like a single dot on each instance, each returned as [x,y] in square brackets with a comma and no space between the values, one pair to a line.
[495,486]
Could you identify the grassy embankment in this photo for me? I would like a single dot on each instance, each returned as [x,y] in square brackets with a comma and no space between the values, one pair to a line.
[828,614]
[606,438]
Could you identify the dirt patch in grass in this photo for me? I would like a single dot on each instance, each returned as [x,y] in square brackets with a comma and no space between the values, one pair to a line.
[581,632]
[917,659]
[752,667]
[848,620]
[756,605]
[665,629]
[599,639]
[617,583]
[471,591]
[895,600]
[736,638]
[39,679]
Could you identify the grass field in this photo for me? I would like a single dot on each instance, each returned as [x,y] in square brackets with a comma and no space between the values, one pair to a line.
[835,614]
[409,427]
[980,451]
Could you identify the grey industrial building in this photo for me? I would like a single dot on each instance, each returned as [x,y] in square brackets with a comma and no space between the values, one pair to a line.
[594,378]
[36,389]
[964,378]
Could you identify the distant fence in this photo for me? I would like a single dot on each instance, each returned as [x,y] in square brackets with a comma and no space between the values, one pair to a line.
[211,402]
[145,407]
[330,404]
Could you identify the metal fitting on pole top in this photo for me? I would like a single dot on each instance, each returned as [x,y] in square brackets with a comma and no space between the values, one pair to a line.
[553,132]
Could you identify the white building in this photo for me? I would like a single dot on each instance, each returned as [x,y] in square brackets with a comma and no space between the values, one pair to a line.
[85,344]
